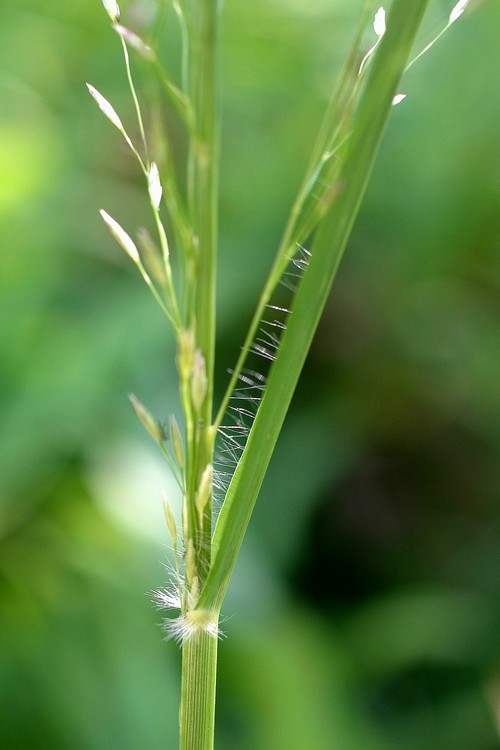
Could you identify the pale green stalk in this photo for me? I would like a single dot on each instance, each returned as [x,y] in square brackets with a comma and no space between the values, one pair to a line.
[203,176]
[202,205]
[197,708]
[134,98]
[199,653]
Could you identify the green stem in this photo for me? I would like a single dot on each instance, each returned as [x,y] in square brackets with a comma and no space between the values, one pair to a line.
[203,200]
[135,99]
[203,176]
[197,712]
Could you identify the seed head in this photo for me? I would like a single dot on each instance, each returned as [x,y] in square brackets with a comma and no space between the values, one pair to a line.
[121,236]
[190,560]
[398,99]
[177,441]
[170,519]
[154,185]
[112,9]
[105,107]
[204,491]
[457,11]
[379,23]
[147,420]
[199,382]
[379,28]
[185,352]
[151,256]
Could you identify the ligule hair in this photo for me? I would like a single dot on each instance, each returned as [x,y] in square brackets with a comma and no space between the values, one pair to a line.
[232,434]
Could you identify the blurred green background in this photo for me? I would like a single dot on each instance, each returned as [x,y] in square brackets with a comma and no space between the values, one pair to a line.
[365,610]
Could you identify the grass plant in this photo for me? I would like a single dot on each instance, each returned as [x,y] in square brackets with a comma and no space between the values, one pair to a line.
[228,446]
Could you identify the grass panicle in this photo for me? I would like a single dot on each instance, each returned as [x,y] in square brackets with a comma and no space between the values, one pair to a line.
[220,457]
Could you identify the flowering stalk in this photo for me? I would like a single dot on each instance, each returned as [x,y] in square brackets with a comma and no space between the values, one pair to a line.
[198,628]
[323,214]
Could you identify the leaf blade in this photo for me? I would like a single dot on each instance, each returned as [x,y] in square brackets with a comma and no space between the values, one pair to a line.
[369,124]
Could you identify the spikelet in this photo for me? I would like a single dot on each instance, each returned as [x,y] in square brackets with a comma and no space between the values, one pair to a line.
[112,9]
[176,436]
[170,520]
[147,420]
[199,382]
[204,492]
[121,236]
[457,11]
[154,186]
[105,107]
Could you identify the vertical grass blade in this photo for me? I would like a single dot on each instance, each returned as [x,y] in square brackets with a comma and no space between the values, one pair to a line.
[368,126]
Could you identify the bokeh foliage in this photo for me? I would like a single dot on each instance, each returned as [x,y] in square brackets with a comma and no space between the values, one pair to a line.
[366,601]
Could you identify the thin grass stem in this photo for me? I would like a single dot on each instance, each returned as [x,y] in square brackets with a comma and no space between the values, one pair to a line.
[135,99]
